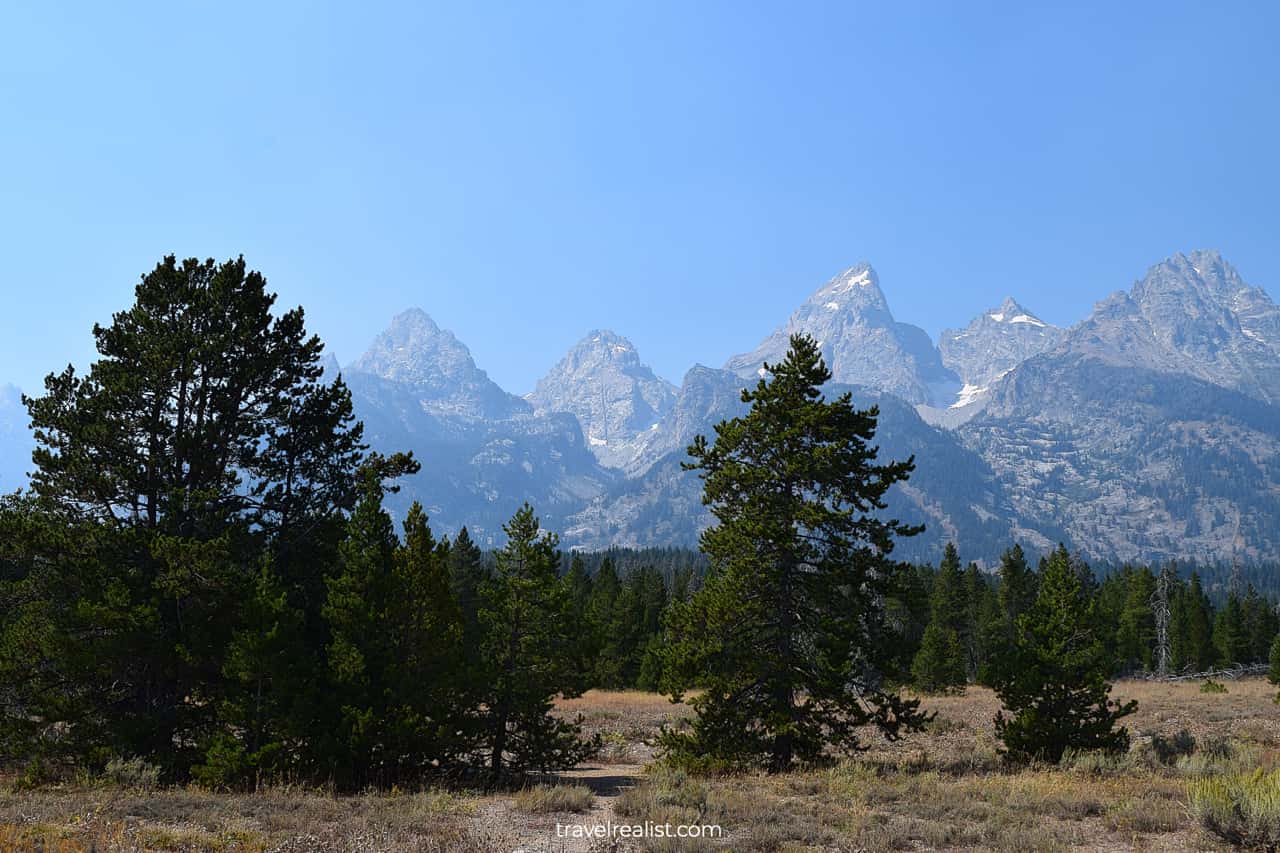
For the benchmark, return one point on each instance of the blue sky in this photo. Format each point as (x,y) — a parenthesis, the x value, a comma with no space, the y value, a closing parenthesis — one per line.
(683,173)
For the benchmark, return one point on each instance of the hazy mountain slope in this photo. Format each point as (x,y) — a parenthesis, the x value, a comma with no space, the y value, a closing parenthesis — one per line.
(1134,463)
(617,399)
(483,451)
(415,352)
(953,492)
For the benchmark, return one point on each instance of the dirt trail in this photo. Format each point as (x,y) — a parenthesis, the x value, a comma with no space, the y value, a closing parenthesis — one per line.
(537,834)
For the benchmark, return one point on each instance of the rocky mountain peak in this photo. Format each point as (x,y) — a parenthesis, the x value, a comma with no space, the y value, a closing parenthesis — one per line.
(415,352)
(1013,314)
(850,319)
(604,345)
(615,397)
(1191,314)
(993,343)
(855,289)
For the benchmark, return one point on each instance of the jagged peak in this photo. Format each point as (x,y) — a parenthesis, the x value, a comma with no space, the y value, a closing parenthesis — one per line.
(414,348)
(412,318)
(414,325)
(605,340)
(1206,265)
(859,277)
(1013,314)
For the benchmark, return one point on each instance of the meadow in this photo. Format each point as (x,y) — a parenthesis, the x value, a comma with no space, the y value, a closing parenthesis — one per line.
(942,789)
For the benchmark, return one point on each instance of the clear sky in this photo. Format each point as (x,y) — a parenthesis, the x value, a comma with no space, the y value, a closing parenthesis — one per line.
(684,173)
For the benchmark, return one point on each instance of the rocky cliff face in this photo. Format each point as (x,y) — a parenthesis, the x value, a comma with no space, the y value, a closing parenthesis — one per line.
(1133,463)
(995,342)
(483,451)
(1150,429)
(617,399)
(1193,315)
(415,352)
(861,341)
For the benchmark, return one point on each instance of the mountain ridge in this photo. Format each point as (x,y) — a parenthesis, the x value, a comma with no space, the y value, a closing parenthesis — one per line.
(1148,430)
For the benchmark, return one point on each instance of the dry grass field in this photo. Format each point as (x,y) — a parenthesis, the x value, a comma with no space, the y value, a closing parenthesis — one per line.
(943,789)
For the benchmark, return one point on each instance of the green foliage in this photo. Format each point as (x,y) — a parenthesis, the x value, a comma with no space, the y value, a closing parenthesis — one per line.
(200,440)
(941,665)
(1273,658)
(1230,634)
(1211,686)
(467,574)
(1261,625)
(788,633)
(1014,595)
(1053,683)
(1136,628)
(1191,634)
(1242,809)
(527,656)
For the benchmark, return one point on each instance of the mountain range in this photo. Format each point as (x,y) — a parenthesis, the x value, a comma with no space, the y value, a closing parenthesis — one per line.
(1150,430)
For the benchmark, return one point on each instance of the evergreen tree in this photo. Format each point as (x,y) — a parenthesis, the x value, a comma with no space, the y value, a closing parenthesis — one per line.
(1200,651)
(1015,593)
(1017,584)
(1230,637)
(428,721)
(1260,625)
(528,631)
(606,670)
(269,700)
(578,586)
(1053,685)
(786,636)
(364,646)
(467,574)
(200,439)
(1273,671)
(907,608)
(942,663)
(982,613)
(1136,629)
(939,665)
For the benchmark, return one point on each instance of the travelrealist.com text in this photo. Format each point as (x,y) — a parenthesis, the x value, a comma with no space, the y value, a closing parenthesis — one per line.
(647,829)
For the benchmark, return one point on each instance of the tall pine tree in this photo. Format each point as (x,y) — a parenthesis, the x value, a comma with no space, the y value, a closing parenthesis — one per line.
(942,663)
(1053,684)
(527,656)
(787,636)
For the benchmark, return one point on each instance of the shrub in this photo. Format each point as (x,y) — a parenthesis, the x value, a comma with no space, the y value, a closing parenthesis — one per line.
(131,773)
(1096,762)
(1211,686)
(547,799)
(1167,750)
(1242,809)
(666,790)
(1219,748)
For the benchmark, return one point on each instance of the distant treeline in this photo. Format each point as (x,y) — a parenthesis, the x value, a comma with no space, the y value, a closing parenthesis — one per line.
(955,621)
